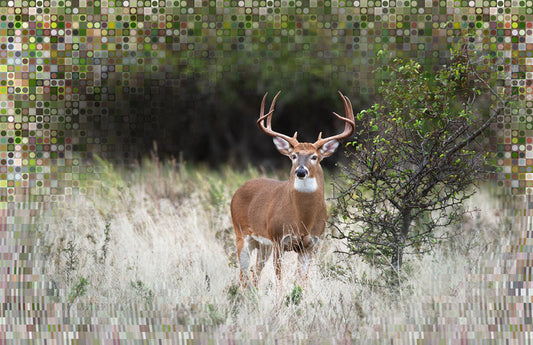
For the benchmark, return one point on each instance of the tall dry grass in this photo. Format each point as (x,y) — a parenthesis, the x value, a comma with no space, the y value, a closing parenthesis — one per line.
(159,237)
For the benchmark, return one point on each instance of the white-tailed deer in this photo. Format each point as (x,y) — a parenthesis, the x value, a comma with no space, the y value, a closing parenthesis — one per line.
(277,216)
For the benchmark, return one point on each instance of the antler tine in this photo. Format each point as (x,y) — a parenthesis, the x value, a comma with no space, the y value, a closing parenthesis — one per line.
(271,111)
(349,126)
(268,116)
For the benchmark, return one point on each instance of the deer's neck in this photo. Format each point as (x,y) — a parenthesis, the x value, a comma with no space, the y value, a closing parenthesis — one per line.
(307,197)
(306,186)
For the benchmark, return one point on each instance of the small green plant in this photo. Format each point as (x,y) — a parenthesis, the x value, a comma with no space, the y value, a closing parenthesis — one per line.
(235,298)
(72,259)
(107,239)
(234,294)
(78,290)
(146,294)
(216,316)
(295,297)
(334,270)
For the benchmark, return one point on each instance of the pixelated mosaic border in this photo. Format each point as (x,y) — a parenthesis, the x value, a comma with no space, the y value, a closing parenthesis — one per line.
(60,58)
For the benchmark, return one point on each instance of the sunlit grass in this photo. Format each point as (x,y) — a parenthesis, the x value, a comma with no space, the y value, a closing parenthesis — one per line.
(159,237)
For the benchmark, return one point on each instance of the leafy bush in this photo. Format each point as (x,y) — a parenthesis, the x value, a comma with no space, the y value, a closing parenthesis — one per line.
(413,162)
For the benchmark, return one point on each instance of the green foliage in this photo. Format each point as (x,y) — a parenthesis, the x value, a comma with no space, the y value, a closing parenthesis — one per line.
(416,155)
(78,290)
(217,192)
(295,297)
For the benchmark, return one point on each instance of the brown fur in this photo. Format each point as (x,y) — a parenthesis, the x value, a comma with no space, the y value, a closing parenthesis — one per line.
(278,216)
(272,209)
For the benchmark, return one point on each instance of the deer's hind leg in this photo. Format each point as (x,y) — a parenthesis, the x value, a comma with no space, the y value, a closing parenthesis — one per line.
(242,234)
(245,247)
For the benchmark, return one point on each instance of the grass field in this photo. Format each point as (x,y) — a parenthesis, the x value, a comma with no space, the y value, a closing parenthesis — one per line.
(159,237)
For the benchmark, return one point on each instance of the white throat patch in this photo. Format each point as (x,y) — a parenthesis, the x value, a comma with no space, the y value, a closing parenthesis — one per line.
(306,185)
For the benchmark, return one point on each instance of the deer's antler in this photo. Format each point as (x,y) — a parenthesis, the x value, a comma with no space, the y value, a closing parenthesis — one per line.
(268,128)
(349,126)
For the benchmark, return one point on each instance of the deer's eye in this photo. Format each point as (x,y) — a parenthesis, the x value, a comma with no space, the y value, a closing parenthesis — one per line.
(314,157)
(294,156)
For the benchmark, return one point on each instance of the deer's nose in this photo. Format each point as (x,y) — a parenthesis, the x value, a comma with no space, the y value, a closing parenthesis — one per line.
(301,172)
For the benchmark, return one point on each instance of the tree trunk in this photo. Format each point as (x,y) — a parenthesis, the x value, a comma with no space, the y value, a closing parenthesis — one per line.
(397,258)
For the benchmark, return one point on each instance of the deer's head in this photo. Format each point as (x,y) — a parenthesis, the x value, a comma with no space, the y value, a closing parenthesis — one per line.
(306,171)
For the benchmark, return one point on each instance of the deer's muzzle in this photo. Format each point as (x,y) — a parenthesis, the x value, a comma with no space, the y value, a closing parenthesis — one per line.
(301,172)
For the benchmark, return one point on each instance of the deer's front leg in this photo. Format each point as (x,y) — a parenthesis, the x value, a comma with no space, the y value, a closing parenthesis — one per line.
(278,254)
(304,257)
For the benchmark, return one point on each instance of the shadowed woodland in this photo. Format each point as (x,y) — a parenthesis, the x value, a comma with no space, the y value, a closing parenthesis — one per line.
(218,125)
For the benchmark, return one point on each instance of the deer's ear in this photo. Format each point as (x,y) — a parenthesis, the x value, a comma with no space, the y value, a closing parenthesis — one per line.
(328,148)
(283,146)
